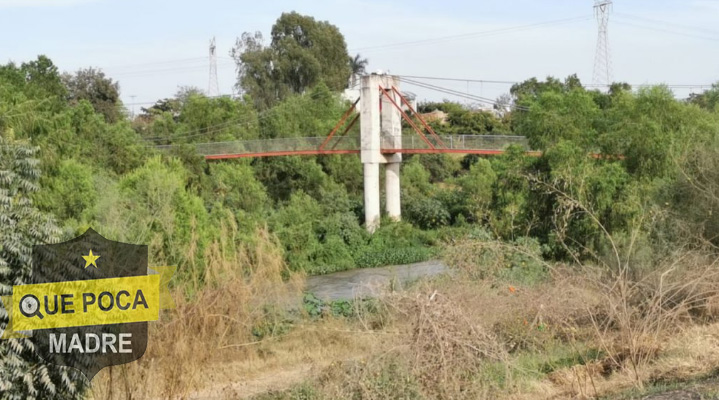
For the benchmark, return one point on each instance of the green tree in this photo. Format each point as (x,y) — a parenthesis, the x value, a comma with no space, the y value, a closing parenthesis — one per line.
(358,64)
(477,188)
(557,111)
(302,53)
(203,119)
(69,193)
(23,374)
(358,67)
(92,85)
(708,99)
(311,114)
(43,80)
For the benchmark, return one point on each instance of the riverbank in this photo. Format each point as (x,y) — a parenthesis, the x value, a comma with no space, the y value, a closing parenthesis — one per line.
(480,332)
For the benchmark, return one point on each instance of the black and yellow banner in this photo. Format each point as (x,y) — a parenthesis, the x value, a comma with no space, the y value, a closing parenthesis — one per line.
(89,302)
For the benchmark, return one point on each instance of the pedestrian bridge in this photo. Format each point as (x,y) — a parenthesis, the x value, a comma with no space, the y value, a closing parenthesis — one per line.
(411,144)
(381,111)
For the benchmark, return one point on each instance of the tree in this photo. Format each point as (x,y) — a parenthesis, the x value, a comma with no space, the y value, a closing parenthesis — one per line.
(91,84)
(708,99)
(302,53)
(503,104)
(23,374)
(477,189)
(43,79)
(555,110)
(358,67)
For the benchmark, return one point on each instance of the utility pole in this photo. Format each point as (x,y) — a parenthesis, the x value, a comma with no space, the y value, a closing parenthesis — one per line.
(132,96)
(213,88)
(602,58)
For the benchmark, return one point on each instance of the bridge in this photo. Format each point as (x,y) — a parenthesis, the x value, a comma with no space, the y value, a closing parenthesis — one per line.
(381,110)
(411,144)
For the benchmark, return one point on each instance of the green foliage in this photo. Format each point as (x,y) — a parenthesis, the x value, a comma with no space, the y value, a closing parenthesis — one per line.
(302,53)
(234,185)
(315,241)
(92,85)
(462,120)
(482,257)
(441,167)
(315,307)
(70,193)
(203,119)
(394,244)
(371,258)
(23,374)
(708,99)
(477,189)
(649,127)
(653,188)
(415,179)
(426,212)
(555,116)
(312,114)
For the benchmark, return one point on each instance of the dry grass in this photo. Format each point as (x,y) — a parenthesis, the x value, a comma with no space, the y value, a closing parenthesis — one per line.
(245,292)
(580,333)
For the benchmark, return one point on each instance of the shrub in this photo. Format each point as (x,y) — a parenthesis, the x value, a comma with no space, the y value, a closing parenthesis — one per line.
(426,212)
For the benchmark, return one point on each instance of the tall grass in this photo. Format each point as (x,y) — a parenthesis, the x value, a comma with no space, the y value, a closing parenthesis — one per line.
(243,288)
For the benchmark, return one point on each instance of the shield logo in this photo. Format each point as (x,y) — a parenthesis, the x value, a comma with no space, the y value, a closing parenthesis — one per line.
(89,347)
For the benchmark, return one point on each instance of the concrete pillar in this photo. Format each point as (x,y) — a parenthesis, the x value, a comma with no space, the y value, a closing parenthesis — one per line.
(371,196)
(370,154)
(391,128)
(392,191)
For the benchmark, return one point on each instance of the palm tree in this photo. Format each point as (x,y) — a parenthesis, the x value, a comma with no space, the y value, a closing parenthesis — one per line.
(358,66)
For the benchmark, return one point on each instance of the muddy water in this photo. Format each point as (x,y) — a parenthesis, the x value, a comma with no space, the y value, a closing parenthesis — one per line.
(369,282)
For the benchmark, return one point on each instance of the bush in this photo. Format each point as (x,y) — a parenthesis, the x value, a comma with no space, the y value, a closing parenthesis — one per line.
(376,258)
(426,212)
(482,257)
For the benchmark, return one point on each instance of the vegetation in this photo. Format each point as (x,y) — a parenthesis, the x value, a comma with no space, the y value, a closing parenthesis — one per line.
(618,217)
(302,53)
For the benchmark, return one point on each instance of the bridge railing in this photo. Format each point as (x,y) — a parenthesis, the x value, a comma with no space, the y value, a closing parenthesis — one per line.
(270,146)
(311,145)
(460,142)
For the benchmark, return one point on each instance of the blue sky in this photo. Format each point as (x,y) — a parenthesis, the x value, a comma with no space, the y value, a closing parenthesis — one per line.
(154,47)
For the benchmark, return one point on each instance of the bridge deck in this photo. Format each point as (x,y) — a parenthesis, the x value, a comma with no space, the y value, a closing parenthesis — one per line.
(411,144)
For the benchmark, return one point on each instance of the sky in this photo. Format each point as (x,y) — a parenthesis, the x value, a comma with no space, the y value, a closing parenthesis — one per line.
(155,47)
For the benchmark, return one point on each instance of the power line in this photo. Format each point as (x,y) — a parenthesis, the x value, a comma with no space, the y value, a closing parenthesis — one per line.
(459,79)
(663,30)
(176,61)
(665,23)
(474,34)
(201,131)
(457,93)
(164,70)
(508,82)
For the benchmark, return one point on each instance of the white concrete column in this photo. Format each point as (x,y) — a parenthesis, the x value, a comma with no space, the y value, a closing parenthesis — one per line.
(371,196)
(392,191)
(370,154)
(391,127)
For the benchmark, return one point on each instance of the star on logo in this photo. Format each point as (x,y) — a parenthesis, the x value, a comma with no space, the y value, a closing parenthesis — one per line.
(90,260)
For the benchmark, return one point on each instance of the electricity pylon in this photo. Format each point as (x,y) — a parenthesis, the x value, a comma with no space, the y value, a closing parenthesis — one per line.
(602,58)
(213,88)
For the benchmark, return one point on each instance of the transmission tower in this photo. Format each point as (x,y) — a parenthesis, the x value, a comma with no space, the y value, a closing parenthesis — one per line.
(602,58)
(213,88)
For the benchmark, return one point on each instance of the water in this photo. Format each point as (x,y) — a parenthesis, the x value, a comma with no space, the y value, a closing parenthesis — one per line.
(369,282)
